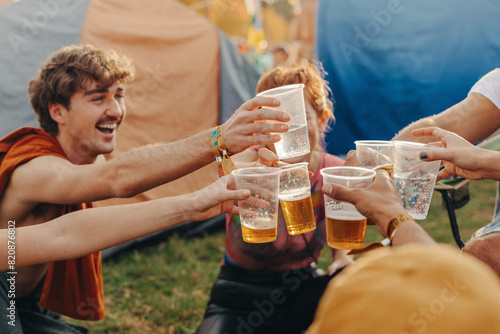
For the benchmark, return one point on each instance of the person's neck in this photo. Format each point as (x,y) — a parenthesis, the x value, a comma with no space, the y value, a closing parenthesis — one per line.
(72,152)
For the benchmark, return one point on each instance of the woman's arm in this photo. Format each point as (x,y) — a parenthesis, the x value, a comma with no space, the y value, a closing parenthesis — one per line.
(460,157)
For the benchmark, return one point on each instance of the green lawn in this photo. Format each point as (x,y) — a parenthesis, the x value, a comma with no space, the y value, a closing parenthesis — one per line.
(164,287)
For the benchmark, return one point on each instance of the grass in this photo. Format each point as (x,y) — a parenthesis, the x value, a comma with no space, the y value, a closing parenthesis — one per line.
(164,287)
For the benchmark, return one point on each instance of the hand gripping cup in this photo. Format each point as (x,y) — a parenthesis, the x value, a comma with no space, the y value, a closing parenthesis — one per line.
(295,142)
(345,226)
(295,198)
(259,213)
(375,154)
(414,178)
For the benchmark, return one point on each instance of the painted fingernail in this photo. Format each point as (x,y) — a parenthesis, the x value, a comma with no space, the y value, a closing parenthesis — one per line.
(423,155)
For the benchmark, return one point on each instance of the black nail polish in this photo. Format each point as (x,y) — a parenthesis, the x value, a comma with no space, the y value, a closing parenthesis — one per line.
(423,155)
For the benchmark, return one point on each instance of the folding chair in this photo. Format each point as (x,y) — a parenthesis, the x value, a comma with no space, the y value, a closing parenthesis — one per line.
(455,193)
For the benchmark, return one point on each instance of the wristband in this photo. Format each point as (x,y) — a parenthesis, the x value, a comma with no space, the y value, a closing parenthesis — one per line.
(394,223)
(218,145)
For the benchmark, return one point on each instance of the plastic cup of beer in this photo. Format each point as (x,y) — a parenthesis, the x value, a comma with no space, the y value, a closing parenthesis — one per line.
(295,142)
(375,154)
(414,178)
(259,213)
(345,226)
(295,198)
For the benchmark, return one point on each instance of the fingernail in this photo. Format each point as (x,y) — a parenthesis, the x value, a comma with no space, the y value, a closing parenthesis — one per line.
(284,127)
(276,102)
(423,155)
(286,117)
(327,188)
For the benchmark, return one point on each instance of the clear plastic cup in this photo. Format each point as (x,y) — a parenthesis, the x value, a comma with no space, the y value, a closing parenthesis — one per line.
(345,226)
(259,213)
(375,154)
(414,178)
(295,142)
(295,198)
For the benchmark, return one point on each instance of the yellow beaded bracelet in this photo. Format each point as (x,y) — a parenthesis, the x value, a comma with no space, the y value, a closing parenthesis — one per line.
(218,145)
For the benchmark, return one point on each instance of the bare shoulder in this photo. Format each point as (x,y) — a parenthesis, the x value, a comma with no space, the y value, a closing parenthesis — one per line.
(26,180)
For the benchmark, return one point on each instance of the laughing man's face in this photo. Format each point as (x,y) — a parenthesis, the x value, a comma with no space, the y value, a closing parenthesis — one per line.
(93,118)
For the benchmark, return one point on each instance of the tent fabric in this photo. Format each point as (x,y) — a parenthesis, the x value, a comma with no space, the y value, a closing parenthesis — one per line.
(4,3)
(391,62)
(238,78)
(30,31)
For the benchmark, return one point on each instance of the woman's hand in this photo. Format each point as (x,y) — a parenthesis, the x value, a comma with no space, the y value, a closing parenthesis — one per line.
(267,158)
(460,157)
(351,159)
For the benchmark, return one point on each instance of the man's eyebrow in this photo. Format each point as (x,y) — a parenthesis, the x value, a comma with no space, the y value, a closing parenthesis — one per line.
(95,91)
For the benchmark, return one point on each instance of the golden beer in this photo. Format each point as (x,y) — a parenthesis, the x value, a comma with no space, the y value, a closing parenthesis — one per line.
(299,215)
(264,232)
(345,234)
(388,168)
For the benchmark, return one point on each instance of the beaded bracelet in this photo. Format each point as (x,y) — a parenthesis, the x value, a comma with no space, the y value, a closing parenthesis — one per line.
(218,145)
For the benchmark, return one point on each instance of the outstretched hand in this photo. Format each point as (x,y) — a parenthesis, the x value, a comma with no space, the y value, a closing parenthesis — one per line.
(217,198)
(252,124)
(460,157)
(378,202)
(351,159)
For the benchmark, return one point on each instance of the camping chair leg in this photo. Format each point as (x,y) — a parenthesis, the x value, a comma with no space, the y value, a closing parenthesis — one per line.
(453,218)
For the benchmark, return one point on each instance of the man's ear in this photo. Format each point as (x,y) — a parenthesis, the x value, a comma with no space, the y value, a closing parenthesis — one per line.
(57,112)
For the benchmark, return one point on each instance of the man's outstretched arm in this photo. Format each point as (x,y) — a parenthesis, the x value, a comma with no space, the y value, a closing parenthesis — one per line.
(59,181)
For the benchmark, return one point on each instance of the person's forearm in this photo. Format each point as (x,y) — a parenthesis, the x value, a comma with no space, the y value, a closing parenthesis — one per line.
(87,231)
(411,232)
(489,163)
(474,118)
(339,254)
(150,166)
(405,133)
(408,232)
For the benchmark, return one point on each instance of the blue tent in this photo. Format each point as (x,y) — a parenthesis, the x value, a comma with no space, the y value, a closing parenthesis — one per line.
(391,62)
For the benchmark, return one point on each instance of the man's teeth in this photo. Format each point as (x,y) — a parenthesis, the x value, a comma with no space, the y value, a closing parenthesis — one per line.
(107,126)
